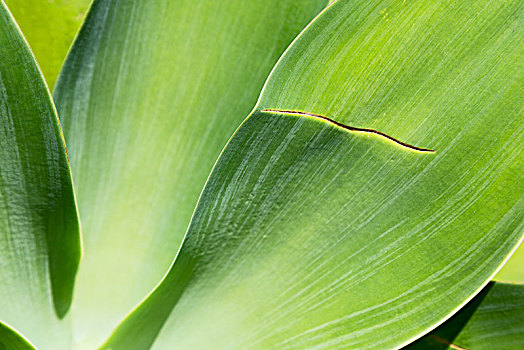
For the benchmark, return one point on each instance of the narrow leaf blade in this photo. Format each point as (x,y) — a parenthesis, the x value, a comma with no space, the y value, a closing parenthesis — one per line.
(39,230)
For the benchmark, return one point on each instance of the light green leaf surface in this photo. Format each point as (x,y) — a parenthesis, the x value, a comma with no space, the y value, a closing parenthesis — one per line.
(149,95)
(49,26)
(12,340)
(313,234)
(405,62)
(494,319)
(39,233)
(513,270)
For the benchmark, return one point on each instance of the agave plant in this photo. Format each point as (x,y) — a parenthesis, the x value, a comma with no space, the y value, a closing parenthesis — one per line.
(366,201)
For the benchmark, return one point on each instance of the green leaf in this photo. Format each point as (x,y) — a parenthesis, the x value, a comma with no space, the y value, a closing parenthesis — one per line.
(49,26)
(328,221)
(397,71)
(12,340)
(149,95)
(39,232)
(512,270)
(494,319)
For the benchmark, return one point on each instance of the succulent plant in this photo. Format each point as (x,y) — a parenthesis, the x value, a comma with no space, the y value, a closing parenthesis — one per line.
(262,175)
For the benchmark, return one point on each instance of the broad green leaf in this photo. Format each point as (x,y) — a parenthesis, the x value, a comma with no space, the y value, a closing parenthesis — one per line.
(39,233)
(49,26)
(313,233)
(494,319)
(401,69)
(12,340)
(149,95)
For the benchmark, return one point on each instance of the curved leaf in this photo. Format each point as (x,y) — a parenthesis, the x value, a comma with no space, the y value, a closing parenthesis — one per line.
(494,319)
(39,233)
(328,221)
(12,340)
(149,95)
(399,66)
(49,27)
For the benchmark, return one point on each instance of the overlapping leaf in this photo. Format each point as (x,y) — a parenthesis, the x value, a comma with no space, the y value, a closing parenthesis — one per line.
(148,97)
(327,222)
(494,319)
(39,233)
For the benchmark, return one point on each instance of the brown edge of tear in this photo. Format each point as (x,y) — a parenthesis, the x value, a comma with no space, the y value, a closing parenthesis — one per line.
(442,340)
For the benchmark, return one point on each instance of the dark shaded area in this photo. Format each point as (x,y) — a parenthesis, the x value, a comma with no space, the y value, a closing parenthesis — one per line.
(442,337)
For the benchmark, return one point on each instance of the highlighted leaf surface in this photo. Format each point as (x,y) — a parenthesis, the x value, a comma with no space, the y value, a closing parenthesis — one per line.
(314,234)
(39,232)
(149,95)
